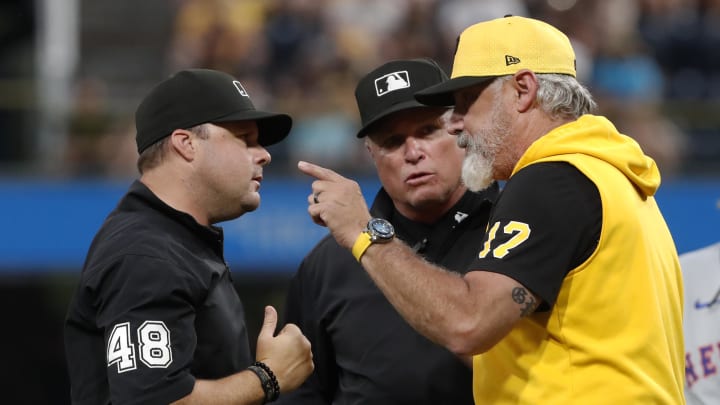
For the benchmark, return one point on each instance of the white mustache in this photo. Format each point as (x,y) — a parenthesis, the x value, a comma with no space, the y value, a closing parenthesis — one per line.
(463,140)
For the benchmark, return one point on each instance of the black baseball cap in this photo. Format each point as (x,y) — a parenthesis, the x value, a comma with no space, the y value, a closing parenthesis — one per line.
(196,96)
(391,87)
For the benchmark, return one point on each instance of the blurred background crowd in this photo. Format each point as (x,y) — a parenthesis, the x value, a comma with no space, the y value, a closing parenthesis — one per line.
(73,71)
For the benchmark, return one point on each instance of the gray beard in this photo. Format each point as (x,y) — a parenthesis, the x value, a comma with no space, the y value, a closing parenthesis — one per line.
(477,165)
(482,148)
(476,171)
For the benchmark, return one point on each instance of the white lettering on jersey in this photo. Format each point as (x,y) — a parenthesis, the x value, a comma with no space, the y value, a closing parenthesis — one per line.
(154,346)
(120,350)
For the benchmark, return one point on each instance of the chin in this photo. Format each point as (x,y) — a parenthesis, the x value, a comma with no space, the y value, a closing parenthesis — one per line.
(250,207)
(477,173)
(427,198)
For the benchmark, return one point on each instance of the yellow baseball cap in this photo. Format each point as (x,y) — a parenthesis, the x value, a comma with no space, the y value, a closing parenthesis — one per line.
(502,47)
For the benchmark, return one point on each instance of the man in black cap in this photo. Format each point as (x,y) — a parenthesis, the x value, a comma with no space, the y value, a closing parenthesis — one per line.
(364,352)
(575,295)
(155,318)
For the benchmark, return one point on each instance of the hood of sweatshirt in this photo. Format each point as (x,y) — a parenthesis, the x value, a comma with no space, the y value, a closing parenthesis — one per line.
(596,136)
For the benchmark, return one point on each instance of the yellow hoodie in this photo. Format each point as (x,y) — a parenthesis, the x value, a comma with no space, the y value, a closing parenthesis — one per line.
(614,335)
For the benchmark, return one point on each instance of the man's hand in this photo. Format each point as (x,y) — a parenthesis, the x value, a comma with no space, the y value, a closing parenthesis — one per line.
(288,354)
(337,203)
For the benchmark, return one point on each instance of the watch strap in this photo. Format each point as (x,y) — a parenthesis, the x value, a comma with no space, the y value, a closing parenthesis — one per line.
(361,244)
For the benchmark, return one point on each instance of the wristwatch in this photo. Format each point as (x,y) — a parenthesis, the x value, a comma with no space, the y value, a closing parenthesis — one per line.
(378,230)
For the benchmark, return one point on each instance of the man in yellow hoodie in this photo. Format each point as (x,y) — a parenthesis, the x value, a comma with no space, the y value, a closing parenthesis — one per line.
(576,294)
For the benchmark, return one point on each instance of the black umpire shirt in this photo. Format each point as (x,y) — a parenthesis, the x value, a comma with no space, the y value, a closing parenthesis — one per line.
(364,352)
(155,308)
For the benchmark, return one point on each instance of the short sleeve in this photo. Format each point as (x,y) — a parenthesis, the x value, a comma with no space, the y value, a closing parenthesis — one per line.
(146,309)
(546,222)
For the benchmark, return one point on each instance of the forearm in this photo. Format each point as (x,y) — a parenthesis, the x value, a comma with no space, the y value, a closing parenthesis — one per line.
(432,300)
(240,388)
(466,314)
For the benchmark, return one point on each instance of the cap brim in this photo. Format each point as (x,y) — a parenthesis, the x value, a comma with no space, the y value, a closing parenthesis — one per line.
(405,105)
(442,94)
(272,127)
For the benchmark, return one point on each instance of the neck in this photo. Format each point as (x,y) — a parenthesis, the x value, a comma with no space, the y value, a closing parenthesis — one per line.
(175,189)
(527,130)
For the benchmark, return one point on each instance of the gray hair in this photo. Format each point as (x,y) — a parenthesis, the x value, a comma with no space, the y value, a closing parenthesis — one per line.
(562,96)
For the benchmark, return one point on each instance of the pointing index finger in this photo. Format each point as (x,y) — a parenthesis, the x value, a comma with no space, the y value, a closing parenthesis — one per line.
(319,172)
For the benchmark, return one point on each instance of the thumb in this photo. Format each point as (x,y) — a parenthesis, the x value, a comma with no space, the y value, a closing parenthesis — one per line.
(269,323)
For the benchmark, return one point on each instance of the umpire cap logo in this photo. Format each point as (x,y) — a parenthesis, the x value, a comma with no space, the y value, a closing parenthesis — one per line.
(241,89)
(391,82)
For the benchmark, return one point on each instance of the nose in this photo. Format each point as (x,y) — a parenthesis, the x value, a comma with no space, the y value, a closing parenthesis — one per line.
(455,124)
(413,149)
(262,156)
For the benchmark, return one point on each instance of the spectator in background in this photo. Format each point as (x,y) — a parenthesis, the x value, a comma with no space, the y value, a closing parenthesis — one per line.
(576,293)
(701,274)
(364,352)
(684,39)
(454,15)
(628,83)
(155,318)
(90,123)
(272,44)
(220,34)
(98,144)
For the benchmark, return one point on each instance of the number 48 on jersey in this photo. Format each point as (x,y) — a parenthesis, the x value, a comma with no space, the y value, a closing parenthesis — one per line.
(153,340)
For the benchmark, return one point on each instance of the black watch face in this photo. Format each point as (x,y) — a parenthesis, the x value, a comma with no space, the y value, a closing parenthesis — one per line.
(381,228)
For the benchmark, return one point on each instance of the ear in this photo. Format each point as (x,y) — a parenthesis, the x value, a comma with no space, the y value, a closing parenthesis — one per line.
(182,142)
(367,145)
(370,149)
(525,84)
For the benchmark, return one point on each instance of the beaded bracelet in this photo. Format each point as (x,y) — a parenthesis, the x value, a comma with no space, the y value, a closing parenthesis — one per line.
(268,381)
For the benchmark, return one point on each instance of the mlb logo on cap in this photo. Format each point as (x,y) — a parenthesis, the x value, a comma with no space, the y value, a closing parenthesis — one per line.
(388,88)
(240,89)
(391,82)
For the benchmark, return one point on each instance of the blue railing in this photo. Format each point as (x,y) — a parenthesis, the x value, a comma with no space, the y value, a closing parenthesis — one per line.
(48,225)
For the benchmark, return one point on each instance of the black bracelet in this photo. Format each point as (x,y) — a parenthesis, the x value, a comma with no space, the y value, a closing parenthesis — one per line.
(268,381)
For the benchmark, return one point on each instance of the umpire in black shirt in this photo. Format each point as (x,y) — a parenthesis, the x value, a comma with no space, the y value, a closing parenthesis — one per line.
(155,318)
(364,352)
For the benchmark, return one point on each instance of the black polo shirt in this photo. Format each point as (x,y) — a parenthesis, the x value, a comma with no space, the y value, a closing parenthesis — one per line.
(154,309)
(364,352)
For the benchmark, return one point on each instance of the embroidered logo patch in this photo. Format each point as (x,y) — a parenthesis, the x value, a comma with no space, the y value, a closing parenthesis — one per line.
(240,89)
(511,60)
(391,82)
(460,216)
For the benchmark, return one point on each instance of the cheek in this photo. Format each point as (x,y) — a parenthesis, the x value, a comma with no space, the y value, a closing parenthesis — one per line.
(454,164)
(387,162)
(477,116)
(242,166)
(393,184)
(389,171)
(451,152)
